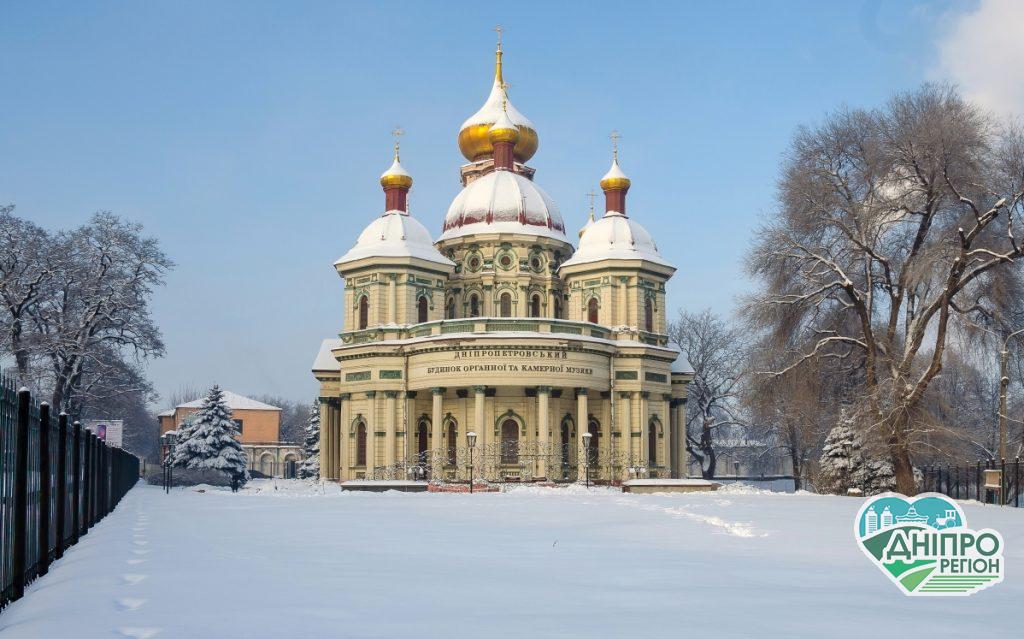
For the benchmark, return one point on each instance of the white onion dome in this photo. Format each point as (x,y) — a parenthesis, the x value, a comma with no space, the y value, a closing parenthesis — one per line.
(615,179)
(474,141)
(503,202)
(616,237)
(394,234)
(396,176)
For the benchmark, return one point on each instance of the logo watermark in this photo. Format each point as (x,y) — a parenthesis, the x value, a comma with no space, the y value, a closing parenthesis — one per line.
(924,546)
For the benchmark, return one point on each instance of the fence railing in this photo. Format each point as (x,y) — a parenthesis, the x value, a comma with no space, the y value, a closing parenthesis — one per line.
(57,480)
(971,481)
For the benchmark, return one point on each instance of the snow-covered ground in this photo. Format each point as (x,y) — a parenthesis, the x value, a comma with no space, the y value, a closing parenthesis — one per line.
(305,561)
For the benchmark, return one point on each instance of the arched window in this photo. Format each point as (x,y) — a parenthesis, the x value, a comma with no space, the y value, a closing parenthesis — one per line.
(421,310)
(421,439)
(453,442)
(649,315)
(594,428)
(506,305)
(592,310)
(474,305)
(535,305)
(449,308)
(361,443)
(556,311)
(652,443)
(510,441)
(364,312)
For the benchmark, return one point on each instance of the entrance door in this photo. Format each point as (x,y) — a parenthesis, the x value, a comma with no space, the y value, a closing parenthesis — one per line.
(510,442)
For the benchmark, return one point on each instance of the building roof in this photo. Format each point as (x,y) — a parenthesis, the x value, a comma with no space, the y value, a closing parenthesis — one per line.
(503,202)
(234,402)
(395,234)
(324,359)
(682,365)
(616,237)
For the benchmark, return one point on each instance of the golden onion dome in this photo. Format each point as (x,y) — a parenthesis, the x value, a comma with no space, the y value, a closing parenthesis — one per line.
(396,176)
(615,179)
(474,135)
(503,130)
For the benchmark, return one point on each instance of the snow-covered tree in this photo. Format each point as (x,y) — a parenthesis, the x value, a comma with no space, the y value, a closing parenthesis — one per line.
(310,466)
(210,440)
(841,465)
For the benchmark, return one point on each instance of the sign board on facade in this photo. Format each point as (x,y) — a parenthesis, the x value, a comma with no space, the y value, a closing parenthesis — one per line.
(109,430)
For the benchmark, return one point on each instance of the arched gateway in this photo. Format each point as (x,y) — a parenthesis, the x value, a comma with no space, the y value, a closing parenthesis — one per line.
(498,326)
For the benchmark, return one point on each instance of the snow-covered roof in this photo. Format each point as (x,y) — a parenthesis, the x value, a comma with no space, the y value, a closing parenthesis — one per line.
(616,237)
(681,365)
(496,104)
(395,234)
(167,413)
(234,402)
(503,122)
(324,360)
(503,202)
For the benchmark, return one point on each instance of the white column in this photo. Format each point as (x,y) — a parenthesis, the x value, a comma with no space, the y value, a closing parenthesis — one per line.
(582,419)
(371,434)
(340,451)
(409,428)
(393,290)
(626,429)
(681,454)
(390,419)
(325,438)
(543,427)
(666,424)
(645,431)
(437,442)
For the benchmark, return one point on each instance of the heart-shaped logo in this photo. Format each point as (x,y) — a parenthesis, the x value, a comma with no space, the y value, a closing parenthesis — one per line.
(923,545)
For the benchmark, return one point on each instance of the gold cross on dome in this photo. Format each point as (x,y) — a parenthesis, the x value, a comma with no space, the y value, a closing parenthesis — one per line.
(615,137)
(397,132)
(499,30)
(591,195)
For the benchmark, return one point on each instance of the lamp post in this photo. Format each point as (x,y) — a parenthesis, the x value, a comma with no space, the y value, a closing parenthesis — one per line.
(586,456)
(471,439)
(170,437)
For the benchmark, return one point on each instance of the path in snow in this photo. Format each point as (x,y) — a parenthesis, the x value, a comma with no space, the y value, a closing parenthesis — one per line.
(309,561)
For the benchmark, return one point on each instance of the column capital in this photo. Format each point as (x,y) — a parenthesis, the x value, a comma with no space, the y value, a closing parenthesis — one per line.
(437,390)
(391,394)
(645,394)
(666,397)
(345,396)
(371,394)
(479,389)
(410,394)
(581,392)
(546,390)
(625,394)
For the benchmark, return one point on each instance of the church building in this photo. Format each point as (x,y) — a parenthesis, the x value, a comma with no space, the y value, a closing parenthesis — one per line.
(499,348)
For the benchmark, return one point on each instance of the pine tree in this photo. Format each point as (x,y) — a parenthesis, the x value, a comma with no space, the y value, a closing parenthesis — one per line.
(841,464)
(184,431)
(211,441)
(310,466)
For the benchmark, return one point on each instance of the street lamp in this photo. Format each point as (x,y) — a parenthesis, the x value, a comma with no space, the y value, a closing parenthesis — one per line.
(471,439)
(170,437)
(586,455)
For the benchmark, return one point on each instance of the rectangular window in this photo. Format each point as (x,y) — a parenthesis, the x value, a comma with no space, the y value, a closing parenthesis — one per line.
(238,425)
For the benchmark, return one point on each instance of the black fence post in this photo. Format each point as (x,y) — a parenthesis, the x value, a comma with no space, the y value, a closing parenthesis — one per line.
(44,489)
(76,482)
(87,463)
(18,547)
(62,483)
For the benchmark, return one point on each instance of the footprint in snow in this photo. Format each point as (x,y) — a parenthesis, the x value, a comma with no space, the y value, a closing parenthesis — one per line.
(139,633)
(135,562)
(132,579)
(139,551)
(140,542)
(129,603)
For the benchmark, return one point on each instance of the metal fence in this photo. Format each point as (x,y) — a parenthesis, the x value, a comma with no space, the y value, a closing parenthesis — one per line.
(56,481)
(979,481)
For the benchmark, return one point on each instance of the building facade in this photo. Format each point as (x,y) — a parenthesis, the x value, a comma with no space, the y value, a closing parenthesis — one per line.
(499,349)
(259,425)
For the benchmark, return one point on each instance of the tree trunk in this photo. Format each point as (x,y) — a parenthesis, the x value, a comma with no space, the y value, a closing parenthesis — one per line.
(899,454)
(794,459)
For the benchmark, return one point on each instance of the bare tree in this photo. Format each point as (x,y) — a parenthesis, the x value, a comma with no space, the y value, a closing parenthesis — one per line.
(104,276)
(715,350)
(25,275)
(892,227)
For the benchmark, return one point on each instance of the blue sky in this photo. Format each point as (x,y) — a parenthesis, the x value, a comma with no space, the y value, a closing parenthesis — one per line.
(249,136)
